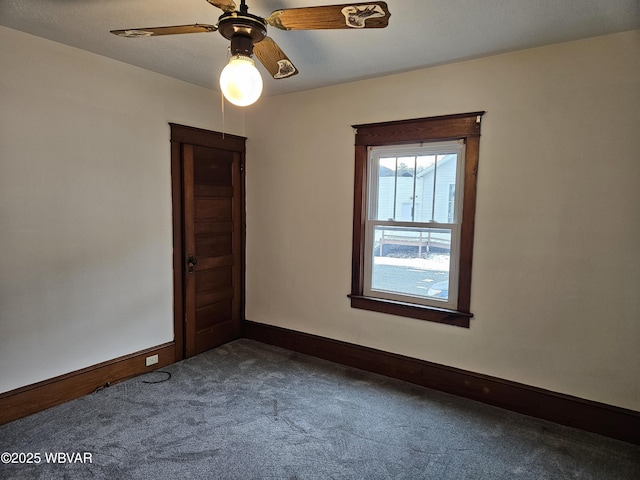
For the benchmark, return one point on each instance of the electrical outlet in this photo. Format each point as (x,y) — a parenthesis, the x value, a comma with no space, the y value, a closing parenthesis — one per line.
(152,360)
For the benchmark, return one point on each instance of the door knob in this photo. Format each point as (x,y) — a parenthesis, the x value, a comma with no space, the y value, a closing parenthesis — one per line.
(191,263)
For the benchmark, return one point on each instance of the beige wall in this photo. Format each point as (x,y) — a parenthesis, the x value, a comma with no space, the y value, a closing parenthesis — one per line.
(85,205)
(556,271)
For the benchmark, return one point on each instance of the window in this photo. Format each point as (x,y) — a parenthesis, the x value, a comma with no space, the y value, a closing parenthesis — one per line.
(412,231)
(414,208)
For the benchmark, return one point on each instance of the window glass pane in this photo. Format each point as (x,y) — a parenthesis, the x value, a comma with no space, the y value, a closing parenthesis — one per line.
(416,188)
(436,175)
(405,189)
(424,190)
(386,189)
(445,179)
(411,261)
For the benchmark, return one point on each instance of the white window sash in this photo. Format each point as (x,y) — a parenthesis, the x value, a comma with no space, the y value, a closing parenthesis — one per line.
(436,148)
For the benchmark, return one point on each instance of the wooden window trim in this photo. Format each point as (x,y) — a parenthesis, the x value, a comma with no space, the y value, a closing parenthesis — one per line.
(466,127)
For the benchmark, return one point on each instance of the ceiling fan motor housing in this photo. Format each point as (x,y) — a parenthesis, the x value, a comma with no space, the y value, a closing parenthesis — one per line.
(241,45)
(243,29)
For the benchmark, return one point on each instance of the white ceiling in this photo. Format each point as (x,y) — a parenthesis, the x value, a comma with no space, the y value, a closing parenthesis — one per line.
(421,33)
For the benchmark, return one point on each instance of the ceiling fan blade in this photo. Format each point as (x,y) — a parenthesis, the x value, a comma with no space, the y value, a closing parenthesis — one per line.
(274,59)
(348,15)
(155,31)
(224,5)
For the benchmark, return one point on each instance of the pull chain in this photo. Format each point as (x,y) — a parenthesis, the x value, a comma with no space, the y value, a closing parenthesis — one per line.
(222,106)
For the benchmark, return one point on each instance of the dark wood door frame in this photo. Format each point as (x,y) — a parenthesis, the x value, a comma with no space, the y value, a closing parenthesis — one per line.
(181,135)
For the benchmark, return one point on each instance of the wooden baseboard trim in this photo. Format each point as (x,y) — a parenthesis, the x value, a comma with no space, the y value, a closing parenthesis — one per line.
(39,396)
(588,415)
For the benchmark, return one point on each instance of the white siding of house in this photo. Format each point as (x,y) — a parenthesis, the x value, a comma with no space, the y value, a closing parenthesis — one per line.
(445,175)
(403,190)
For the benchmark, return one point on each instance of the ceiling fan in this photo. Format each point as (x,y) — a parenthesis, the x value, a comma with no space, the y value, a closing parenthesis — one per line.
(248,35)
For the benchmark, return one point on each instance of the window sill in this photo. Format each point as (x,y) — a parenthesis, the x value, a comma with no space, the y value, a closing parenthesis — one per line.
(412,310)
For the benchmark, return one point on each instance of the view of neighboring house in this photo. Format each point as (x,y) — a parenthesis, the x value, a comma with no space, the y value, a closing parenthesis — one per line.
(417,189)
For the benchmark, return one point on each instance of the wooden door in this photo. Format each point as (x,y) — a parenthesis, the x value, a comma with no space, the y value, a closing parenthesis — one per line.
(212,240)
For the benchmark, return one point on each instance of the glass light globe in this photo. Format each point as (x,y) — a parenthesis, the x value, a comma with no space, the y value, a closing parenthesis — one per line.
(240,81)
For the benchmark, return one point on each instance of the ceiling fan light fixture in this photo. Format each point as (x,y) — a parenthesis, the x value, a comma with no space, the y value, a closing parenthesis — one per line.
(240,81)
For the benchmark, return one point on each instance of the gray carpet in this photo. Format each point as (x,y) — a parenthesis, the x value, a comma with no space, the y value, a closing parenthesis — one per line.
(251,411)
